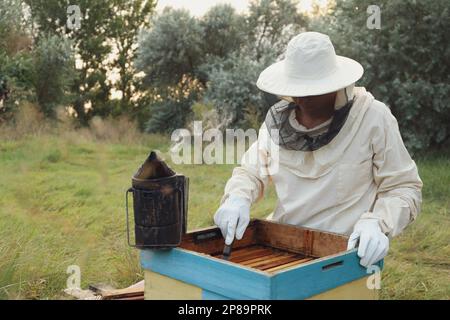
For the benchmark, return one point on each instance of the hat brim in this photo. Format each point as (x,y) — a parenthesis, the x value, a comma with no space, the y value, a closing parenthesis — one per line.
(274,80)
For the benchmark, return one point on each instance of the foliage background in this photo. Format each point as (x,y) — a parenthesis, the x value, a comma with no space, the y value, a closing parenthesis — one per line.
(406,62)
(153,68)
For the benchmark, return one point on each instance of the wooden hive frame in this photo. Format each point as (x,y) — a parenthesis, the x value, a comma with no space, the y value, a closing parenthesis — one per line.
(249,274)
(268,246)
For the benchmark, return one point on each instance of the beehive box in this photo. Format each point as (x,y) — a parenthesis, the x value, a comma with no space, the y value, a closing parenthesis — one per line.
(272,261)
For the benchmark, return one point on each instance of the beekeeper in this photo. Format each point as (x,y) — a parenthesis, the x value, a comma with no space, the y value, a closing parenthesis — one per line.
(333,152)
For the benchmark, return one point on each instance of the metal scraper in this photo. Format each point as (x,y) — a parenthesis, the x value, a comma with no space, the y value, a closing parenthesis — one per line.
(227,251)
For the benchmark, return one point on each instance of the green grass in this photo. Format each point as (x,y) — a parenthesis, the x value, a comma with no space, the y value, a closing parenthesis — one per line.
(418,264)
(62,203)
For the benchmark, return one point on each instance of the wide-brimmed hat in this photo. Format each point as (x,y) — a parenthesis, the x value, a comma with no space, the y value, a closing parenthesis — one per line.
(310,67)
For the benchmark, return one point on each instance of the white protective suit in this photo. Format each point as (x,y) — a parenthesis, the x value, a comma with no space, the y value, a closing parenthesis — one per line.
(365,172)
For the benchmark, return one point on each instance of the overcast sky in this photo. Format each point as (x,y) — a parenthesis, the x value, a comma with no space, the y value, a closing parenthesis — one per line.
(199,7)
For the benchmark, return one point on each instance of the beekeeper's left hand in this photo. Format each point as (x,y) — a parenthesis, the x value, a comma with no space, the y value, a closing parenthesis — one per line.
(373,243)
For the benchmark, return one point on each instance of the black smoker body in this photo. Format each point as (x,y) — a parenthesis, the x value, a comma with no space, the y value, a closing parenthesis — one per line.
(160,211)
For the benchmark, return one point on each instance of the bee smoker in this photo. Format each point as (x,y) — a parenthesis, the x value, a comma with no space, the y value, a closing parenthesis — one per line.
(159,205)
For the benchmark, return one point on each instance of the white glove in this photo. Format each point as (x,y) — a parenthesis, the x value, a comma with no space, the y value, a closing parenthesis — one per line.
(373,243)
(233,218)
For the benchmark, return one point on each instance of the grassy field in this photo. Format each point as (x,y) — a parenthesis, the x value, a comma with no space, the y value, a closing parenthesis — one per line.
(62,203)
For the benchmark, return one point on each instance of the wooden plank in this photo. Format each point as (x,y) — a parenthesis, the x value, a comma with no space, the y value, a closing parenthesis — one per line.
(263,258)
(240,252)
(215,244)
(266,233)
(208,295)
(101,288)
(257,264)
(140,297)
(300,240)
(316,276)
(167,288)
(243,250)
(160,287)
(287,265)
(280,236)
(138,284)
(132,291)
(251,255)
(326,244)
(355,290)
(203,271)
(271,264)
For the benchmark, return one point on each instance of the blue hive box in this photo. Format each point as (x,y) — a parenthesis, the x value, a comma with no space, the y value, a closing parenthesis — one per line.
(272,261)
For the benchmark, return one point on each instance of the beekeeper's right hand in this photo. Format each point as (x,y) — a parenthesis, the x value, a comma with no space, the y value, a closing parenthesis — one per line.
(233,218)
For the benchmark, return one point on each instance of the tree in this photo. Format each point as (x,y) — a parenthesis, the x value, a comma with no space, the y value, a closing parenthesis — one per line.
(54,67)
(271,24)
(130,18)
(16,80)
(223,51)
(232,90)
(223,34)
(11,26)
(171,49)
(91,44)
(169,55)
(405,61)
(15,60)
(105,25)
(170,113)
(223,31)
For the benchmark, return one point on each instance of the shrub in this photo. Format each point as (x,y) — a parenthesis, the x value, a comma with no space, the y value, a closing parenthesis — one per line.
(16,78)
(54,68)
(169,114)
(171,49)
(232,90)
